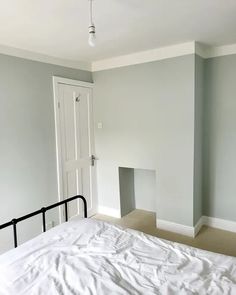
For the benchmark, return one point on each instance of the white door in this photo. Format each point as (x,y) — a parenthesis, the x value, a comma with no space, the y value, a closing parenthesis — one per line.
(75,144)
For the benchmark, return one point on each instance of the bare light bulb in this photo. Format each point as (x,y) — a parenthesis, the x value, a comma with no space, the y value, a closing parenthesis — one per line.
(92,36)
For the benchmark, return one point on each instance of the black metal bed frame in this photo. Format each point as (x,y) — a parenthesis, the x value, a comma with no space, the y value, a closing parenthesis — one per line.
(42,211)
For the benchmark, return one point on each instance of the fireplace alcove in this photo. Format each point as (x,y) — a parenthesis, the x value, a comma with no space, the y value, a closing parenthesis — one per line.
(137,189)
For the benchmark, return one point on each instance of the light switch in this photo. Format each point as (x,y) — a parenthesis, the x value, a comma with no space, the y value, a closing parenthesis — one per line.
(100,125)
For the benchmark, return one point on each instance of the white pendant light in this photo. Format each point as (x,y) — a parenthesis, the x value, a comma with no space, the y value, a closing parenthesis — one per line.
(92,33)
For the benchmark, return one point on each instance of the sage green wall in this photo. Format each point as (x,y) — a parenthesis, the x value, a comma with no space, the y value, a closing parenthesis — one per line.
(198,136)
(145,189)
(147,111)
(127,194)
(220,138)
(27,139)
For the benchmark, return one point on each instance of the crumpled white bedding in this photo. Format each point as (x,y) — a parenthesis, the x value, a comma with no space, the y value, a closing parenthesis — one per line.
(93,257)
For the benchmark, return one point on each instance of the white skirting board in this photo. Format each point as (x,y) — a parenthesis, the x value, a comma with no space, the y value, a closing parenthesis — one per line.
(175,227)
(198,226)
(109,211)
(192,231)
(219,223)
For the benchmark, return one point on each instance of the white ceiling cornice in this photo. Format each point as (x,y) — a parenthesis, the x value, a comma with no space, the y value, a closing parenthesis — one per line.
(214,51)
(192,47)
(126,60)
(221,50)
(145,56)
(81,65)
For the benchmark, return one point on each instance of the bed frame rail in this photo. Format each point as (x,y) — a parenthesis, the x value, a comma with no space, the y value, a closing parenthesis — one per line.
(43,211)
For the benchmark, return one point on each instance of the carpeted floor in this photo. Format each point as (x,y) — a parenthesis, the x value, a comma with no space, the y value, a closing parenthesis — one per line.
(208,238)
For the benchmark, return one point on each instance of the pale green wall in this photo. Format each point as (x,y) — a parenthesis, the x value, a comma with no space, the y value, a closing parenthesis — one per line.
(141,107)
(147,111)
(198,136)
(220,138)
(127,194)
(27,138)
(145,189)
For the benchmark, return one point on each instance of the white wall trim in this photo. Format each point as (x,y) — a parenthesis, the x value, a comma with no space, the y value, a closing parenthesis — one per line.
(202,50)
(109,211)
(198,226)
(192,47)
(125,60)
(145,56)
(67,81)
(193,231)
(175,227)
(55,81)
(211,51)
(221,50)
(220,223)
(75,64)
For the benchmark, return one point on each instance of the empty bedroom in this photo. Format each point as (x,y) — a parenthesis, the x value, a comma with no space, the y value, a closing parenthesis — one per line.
(117,147)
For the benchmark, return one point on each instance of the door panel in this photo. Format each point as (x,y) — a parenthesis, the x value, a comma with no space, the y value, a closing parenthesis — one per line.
(71,184)
(82,125)
(76,141)
(85,176)
(67,112)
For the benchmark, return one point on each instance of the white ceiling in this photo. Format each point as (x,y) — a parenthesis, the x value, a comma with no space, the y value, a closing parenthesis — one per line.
(58,28)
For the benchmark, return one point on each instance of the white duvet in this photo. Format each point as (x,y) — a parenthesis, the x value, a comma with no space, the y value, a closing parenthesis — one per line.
(93,257)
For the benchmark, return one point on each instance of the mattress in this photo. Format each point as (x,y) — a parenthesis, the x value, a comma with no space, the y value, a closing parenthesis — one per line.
(86,256)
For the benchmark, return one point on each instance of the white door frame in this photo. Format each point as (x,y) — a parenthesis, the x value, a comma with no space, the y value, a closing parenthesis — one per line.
(56,81)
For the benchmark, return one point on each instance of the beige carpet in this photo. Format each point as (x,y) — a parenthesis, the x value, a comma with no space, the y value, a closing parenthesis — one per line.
(210,239)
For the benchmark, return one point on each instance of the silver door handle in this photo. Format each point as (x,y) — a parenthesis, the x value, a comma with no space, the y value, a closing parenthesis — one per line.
(93,158)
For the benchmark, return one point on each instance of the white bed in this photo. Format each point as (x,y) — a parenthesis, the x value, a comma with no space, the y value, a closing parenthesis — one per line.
(86,256)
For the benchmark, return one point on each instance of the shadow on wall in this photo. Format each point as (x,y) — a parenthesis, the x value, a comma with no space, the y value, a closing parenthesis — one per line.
(137,189)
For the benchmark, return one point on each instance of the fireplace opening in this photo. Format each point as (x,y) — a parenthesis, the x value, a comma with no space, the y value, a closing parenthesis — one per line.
(137,189)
